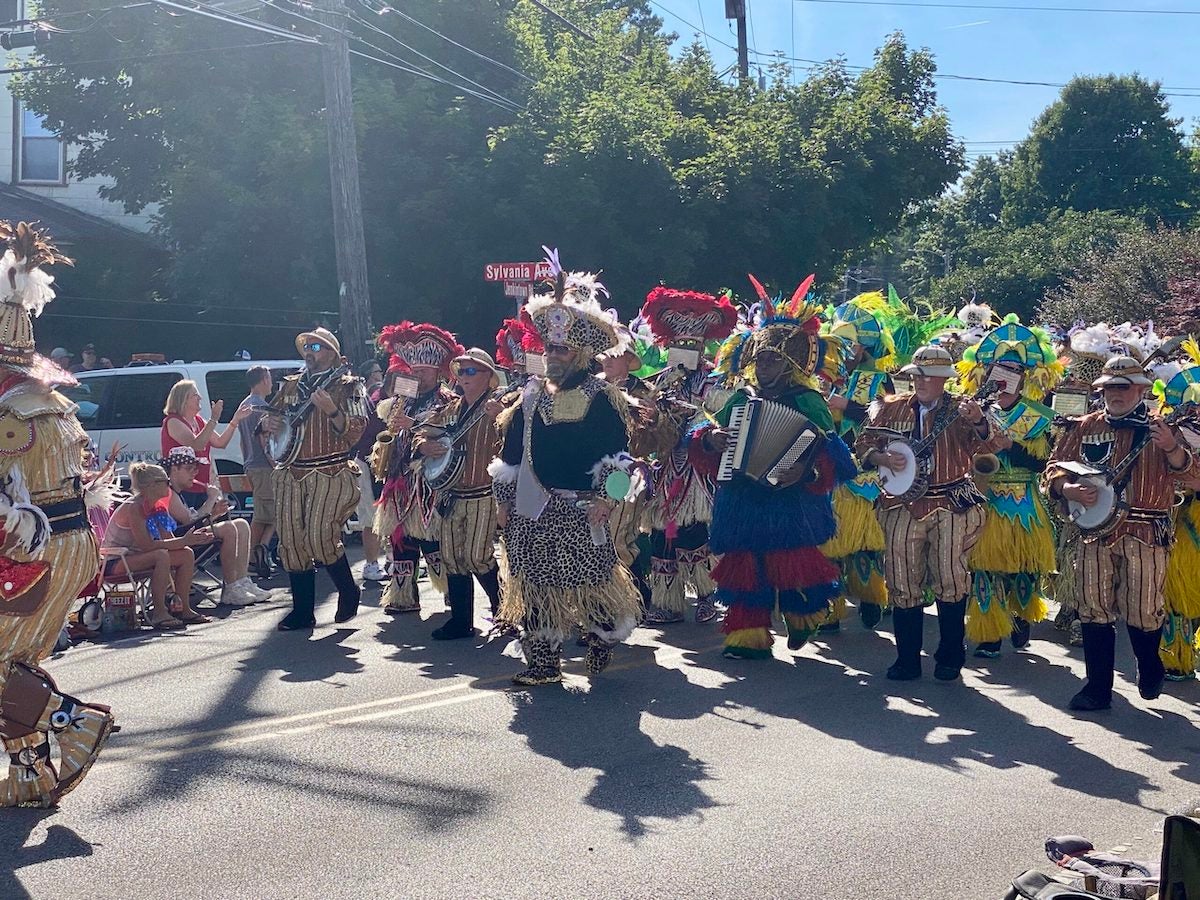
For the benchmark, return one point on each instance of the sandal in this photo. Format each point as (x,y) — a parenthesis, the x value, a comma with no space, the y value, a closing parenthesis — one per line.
(168,623)
(194,619)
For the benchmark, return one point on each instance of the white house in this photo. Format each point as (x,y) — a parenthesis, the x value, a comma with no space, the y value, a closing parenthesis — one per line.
(33,162)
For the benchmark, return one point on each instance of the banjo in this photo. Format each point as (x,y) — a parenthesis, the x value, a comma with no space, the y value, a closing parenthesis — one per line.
(912,482)
(283,444)
(442,472)
(1111,508)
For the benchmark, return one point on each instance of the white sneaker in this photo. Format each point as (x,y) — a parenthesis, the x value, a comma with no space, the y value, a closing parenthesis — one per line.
(373,571)
(233,595)
(253,590)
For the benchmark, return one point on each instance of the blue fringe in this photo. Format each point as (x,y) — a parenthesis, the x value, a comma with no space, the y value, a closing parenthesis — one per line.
(807,602)
(751,516)
(844,467)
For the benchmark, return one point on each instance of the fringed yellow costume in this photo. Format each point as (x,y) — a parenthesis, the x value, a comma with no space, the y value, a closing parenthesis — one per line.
(1016,551)
(1181,591)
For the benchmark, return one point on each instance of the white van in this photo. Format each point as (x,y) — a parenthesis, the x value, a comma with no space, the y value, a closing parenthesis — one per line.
(126,406)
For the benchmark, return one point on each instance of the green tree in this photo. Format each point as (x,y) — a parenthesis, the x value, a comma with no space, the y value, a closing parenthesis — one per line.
(1108,143)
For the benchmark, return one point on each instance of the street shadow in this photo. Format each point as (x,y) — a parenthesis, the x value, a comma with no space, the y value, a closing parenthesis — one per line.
(16,827)
(639,780)
(321,659)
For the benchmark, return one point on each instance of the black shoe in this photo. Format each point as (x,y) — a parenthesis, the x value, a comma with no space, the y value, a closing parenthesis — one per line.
(349,593)
(452,631)
(990,650)
(1099,652)
(1085,702)
(870,613)
(946,673)
(1150,669)
(295,621)
(830,628)
(1020,635)
(899,671)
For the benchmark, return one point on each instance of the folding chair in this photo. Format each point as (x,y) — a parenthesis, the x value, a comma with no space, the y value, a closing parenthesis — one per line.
(1179,875)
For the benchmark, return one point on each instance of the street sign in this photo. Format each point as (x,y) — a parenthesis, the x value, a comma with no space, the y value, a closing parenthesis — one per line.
(516,271)
(518,290)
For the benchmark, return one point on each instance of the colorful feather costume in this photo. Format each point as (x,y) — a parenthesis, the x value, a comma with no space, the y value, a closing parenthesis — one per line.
(771,538)
(1016,551)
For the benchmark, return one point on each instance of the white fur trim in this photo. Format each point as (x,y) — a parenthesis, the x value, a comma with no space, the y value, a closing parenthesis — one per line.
(502,472)
(621,461)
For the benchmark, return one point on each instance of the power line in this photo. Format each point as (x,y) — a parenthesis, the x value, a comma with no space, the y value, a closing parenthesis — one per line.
(573,27)
(233,19)
(1008,8)
(420,73)
(124,59)
(700,9)
(406,17)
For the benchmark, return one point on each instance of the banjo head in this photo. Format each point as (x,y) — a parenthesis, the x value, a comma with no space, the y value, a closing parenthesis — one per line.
(896,484)
(439,472)
(1089,518)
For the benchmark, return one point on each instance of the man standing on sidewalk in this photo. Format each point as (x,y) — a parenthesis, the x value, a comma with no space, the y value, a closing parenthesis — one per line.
(257,466)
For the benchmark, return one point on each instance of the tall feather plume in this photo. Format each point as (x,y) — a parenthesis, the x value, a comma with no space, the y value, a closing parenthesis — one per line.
(795,305)
(768,306)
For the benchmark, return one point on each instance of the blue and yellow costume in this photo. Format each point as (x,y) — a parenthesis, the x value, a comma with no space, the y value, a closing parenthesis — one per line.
(1016,551)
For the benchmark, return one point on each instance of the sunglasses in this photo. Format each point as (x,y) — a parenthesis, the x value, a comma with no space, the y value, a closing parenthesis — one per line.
(314,347)
(469,370)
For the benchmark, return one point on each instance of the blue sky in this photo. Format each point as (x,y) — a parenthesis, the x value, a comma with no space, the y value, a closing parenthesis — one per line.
(1023,45)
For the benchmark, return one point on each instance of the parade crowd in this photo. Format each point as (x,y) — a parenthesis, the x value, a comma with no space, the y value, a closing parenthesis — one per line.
(764,465)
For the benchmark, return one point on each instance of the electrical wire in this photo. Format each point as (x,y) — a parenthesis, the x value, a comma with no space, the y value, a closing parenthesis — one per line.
(385,9)
(124,59)
(423,74)
(700,9)
(201,9)
(1009,7)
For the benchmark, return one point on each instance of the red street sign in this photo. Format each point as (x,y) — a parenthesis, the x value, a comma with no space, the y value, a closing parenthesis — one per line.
(518,271)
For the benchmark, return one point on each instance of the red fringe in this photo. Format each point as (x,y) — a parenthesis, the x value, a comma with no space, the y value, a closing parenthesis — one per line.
(800,568)
(740,616)
(702,459)
(826,475)
(737,571)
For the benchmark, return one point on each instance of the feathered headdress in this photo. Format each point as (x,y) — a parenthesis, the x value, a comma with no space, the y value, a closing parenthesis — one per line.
(571,314)
(515,339)
(25,289)
(910,326)
(791,329)
(859,321)
(688,318)
(1012,342)
(421,345)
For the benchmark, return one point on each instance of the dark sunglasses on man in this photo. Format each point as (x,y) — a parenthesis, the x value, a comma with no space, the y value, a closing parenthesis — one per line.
(469,370)
(314,347)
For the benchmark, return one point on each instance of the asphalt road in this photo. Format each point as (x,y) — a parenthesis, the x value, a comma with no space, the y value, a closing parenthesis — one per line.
(369,761)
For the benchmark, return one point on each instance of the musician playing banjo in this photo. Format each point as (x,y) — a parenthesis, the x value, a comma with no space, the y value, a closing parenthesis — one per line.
(1121,569)
(930,533)
(316,485)
(465,525)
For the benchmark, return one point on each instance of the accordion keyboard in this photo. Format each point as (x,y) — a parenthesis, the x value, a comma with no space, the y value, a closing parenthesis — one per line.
(737,421)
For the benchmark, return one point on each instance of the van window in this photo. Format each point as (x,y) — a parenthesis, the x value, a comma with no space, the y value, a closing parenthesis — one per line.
(137,402)
(228,385)
(90,394)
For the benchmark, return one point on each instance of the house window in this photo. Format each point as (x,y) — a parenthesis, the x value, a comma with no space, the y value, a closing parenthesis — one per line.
(10,10)
(40,154)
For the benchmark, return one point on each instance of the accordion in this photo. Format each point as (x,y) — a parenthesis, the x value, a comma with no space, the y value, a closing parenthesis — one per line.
(766,440)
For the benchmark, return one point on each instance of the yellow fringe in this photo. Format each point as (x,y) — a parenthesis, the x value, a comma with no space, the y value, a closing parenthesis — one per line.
(873,590)
(808,622)
(1037,610)
(838,611)
(1179,656)
(994,625)
(1181,591)
(750,638)
(1005,546)
(857,526)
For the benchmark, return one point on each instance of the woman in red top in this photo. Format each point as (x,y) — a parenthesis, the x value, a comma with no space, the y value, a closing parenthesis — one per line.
(183,426)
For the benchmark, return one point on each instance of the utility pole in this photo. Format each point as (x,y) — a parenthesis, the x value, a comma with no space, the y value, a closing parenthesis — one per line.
(354,298)
(736,9)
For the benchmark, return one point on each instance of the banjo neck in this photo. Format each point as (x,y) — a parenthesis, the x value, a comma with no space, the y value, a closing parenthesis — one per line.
(925,445)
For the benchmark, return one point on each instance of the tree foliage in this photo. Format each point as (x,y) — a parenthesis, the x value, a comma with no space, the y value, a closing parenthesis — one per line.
(646,165)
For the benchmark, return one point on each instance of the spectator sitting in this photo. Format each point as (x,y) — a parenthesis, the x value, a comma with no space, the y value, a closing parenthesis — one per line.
(89,362)
(171,558)
(184,427)
(258,468)
(181,466)
(62,357)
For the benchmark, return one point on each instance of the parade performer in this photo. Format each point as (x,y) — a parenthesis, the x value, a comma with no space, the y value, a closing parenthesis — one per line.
(770,537)
(564,449)
(1181,589)
(680,509)
(1121,569)
(1015,552)
(49,552)
(516,341)
(317,483)
(465,521)
(929,536)
(406,506)
(862,326)
(618,364)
